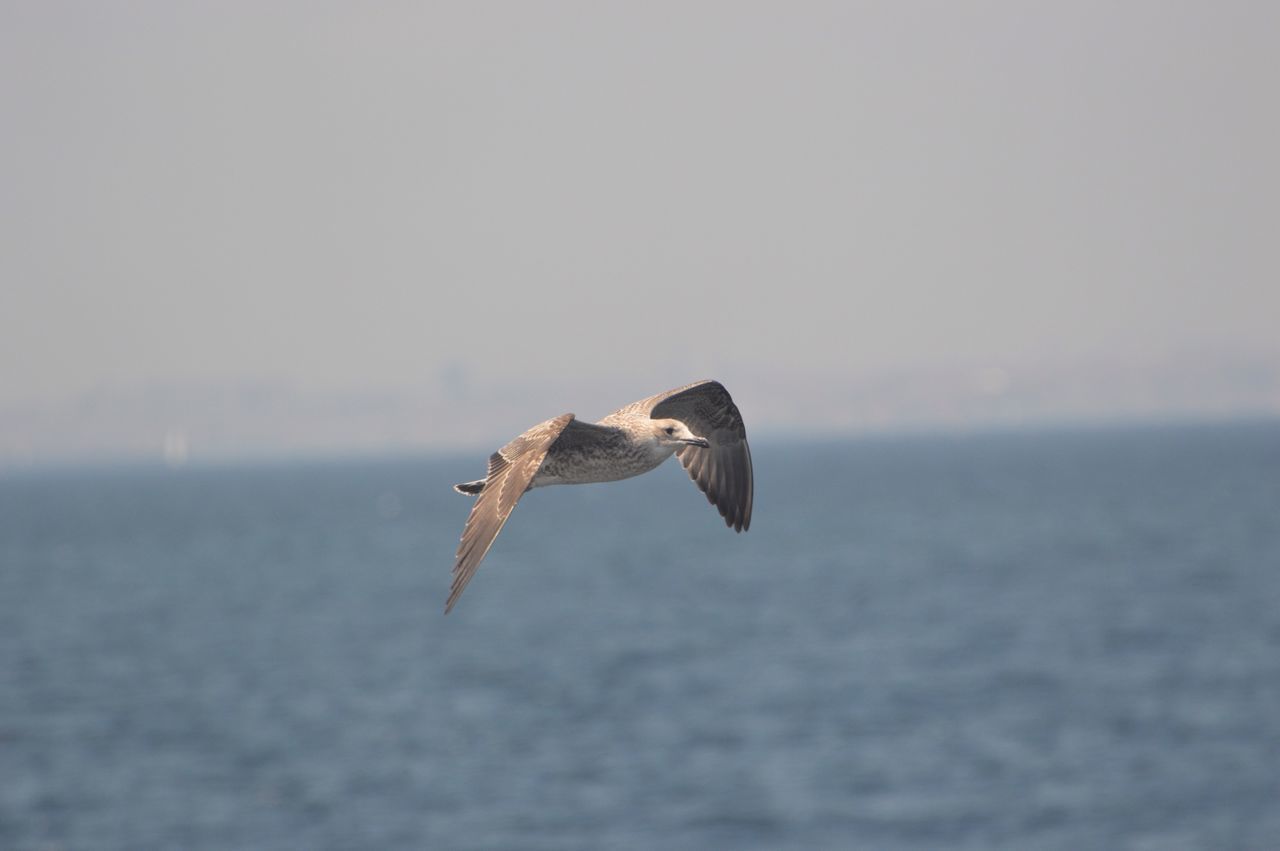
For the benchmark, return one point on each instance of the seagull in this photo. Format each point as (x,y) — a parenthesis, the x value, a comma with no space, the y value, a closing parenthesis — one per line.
(697,422)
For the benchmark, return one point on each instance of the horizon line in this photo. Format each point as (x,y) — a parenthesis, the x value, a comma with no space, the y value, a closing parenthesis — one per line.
(337,454)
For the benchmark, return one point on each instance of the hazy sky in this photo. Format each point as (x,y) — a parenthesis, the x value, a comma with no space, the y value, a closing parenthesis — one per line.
(419,201)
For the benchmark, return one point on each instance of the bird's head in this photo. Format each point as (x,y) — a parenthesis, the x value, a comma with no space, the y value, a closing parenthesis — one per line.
(676,433)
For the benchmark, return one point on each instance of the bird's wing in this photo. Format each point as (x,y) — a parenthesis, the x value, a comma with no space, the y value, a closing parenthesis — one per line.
(511,469)
(723,470)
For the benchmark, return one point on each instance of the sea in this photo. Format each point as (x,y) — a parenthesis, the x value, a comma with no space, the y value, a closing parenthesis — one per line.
(1055,639)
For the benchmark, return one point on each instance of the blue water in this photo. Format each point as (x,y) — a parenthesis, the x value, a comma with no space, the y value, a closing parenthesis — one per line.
(1059,640)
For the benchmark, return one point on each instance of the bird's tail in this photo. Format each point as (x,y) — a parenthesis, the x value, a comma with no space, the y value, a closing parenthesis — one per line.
(470,488)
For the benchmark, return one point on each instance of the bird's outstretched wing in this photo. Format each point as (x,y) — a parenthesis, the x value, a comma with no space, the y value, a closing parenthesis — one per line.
(511,469)
(722,471)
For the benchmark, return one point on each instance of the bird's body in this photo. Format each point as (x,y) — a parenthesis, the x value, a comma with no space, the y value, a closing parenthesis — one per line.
(698,422)
(594,452)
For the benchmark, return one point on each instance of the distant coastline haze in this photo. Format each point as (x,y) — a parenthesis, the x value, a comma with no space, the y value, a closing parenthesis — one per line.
(234,230)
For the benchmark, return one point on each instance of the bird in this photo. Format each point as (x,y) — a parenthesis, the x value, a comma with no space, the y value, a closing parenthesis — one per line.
(698,423)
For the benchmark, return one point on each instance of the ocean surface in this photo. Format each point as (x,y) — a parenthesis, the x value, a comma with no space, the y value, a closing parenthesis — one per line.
(1057,640)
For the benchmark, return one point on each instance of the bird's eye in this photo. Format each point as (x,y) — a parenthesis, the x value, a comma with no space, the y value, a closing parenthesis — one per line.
(670,430)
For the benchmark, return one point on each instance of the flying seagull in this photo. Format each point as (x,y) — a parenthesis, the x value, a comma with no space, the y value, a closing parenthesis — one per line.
(697,422)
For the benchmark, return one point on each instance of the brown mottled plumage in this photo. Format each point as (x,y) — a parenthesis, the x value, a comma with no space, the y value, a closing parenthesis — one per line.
(698,422)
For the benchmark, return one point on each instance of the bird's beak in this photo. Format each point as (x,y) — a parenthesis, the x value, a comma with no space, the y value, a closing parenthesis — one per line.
(697,441)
